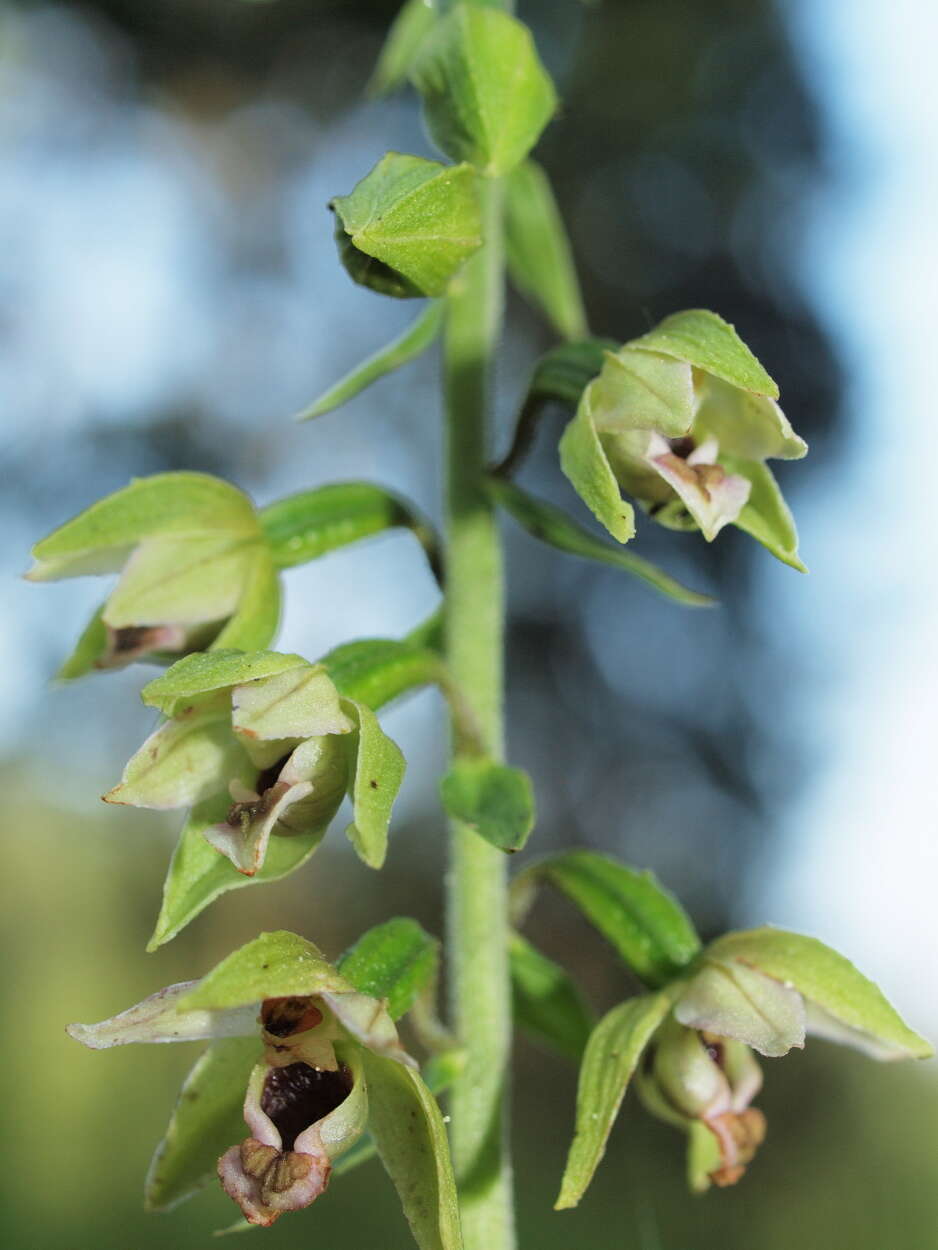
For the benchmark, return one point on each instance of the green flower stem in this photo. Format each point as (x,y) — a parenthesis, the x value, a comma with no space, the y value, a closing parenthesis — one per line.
(477,884)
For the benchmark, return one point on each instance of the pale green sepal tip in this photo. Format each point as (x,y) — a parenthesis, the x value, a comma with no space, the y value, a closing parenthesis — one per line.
(612,1054)
(709,343)
(378,771)
(766,517)
(400,351)
(828,981)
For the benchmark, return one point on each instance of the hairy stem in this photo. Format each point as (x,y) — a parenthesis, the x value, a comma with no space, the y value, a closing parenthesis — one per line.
(476,900)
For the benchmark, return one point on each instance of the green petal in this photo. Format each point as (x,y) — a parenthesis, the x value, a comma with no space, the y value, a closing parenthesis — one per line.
(181,581)
(643,391)
(542,520)
(585,464)
(546,1002)
(540,260)
(208,1118)
(400,351)
(377,773)
(709,343)
(410,1135)
(612,1055)
(831,984)
(419,218)
(496,801)
(205,672)
(99,539)
(395,961)
(486,95)
(731,1000)
(645,924)
(167,1017)
(300,703)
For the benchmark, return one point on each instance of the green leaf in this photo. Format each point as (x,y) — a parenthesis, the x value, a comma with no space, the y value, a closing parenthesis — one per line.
(176,505)
(493,799)
(198,874)
(400,351)
(182,762)
(847,1007)
(395,961)
(644,922)
(378,670)
(612,1055)
(413,23)
(585,464)
(564,372)
(273,965)
(766,516)
(208,1118)
(486,95)
(546,1001)
(206,671)
(709,343)
(418,218)
(551,525)
(410,1135)
(377,773)
(305,526)
(90,647)
(538,251)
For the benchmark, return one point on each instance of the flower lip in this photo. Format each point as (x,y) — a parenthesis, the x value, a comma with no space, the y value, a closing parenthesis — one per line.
(297,1096)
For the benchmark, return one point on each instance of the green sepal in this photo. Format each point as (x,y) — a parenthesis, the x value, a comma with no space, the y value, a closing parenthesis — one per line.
(377,770)
(413,23)
(253,626)
(486,95)
(552,526)
(378,670)
(183,762)
(494,800)
(410,1137)
(90,647)
(546,1002)
(274,965)
(611,1057)
(198,874)
(395,961)
(417,219)
(400,351)
(843,1004)
(310,524)
(207,1119)
(766,516)
(205,672)
(644,922)
(711,344)
(175,505)
(538,252)
(585,464)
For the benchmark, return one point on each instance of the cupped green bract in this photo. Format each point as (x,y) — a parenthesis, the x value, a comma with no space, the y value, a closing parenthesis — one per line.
(486,95)
(494,800)
(409,225)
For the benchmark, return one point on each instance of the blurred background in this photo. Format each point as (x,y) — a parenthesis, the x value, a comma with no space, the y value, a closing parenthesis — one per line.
(170,294)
